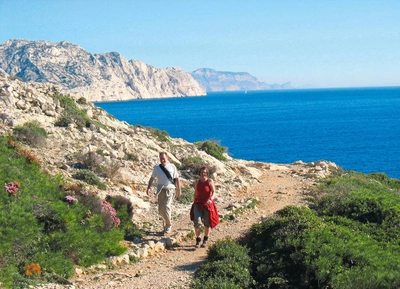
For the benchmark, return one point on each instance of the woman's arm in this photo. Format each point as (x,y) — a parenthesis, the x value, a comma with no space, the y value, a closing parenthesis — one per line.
(195,190)
(212,187)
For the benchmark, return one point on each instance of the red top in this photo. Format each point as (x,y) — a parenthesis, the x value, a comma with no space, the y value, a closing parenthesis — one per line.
(203,192)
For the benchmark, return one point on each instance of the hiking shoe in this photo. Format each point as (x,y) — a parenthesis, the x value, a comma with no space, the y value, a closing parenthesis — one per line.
(198,241)
(168,229)
(205,240)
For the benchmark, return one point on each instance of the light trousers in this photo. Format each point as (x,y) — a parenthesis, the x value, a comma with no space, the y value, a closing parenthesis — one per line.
(165,198)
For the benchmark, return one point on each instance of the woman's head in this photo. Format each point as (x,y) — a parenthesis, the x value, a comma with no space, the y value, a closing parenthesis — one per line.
(203,170)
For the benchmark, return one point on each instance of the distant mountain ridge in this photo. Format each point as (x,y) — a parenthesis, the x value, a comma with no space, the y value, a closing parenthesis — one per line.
(97,77)
(212,80)
(111,77)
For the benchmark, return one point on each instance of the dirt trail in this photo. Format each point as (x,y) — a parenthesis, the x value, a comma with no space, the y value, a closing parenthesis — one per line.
(175,267)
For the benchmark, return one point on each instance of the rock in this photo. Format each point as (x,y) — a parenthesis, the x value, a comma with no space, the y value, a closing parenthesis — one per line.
(96,77)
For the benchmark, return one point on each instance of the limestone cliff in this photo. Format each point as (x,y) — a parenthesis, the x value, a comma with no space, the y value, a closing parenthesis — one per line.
(97,77)
(212,80)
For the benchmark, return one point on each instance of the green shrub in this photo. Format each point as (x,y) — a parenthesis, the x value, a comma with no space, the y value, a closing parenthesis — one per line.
(89,177)
(227,264)
(191,166)
(160,135)
(72,114)
(215,283)
(125,212)
(191,162)
(363,198)
(187,196)
(301,249)
(31,133)
(384,179)
(131,157)
(213,148)
(40,226)
(82,100)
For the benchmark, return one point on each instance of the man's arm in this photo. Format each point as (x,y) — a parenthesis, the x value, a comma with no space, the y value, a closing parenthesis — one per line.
(178,186)
(149,185)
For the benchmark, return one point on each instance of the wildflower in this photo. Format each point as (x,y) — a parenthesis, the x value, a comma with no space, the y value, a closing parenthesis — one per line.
(113,213)
(33,268)
(12,188)
(116,221)
(71,199)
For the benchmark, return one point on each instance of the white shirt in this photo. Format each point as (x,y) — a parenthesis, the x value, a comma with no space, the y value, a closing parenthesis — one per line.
(162,179)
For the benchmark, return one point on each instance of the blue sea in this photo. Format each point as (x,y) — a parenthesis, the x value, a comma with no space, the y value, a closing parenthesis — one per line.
(357,128)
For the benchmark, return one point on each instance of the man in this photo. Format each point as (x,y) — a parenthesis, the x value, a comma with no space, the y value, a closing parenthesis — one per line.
(167,181)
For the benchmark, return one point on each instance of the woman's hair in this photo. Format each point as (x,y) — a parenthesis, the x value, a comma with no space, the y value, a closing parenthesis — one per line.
(204,168)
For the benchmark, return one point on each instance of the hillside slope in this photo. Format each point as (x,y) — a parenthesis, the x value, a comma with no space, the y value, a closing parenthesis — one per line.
(129,153)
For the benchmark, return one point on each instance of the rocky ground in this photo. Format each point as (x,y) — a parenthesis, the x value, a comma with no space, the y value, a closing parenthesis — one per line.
(175,267)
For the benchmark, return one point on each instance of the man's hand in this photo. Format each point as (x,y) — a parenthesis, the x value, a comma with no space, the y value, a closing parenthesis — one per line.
(149,185)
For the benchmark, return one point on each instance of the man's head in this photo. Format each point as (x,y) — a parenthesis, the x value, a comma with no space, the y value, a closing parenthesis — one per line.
(163,158)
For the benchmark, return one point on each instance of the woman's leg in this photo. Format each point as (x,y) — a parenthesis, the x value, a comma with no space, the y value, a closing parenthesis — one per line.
(207,229)
(197,223)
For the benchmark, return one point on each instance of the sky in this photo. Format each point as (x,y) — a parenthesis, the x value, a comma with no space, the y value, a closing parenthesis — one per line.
(319,43)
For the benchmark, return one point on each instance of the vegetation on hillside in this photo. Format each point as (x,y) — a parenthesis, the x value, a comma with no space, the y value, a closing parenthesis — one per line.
(348,238)
(48,225)
(227,266)
(213,148)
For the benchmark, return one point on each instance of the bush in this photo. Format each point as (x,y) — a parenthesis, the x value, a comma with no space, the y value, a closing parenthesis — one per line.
(125,211)
(191,166)
(187,196)
(39,225)
(191,162)
(82,100)
(72,114)
(215,283)
(214,149)
(31,133)
(227,264)
(89,177)
(160,135)
(350,240)
(91,161)
(363,198)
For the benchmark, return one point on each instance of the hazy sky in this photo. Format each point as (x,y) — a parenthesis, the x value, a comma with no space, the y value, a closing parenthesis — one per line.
(319,43)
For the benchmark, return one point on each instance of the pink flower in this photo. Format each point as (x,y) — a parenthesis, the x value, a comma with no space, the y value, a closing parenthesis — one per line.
(107,207)
(12,188)
(116,222)
(71,199)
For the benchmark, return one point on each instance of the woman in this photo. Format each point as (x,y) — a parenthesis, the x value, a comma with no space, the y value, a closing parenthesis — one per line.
(204,208)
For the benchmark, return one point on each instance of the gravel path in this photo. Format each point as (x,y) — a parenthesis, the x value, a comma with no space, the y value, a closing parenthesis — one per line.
(174,268)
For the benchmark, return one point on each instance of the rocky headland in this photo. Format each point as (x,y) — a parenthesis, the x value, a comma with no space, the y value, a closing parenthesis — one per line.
(213,80)
(97,77)
(131,152)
